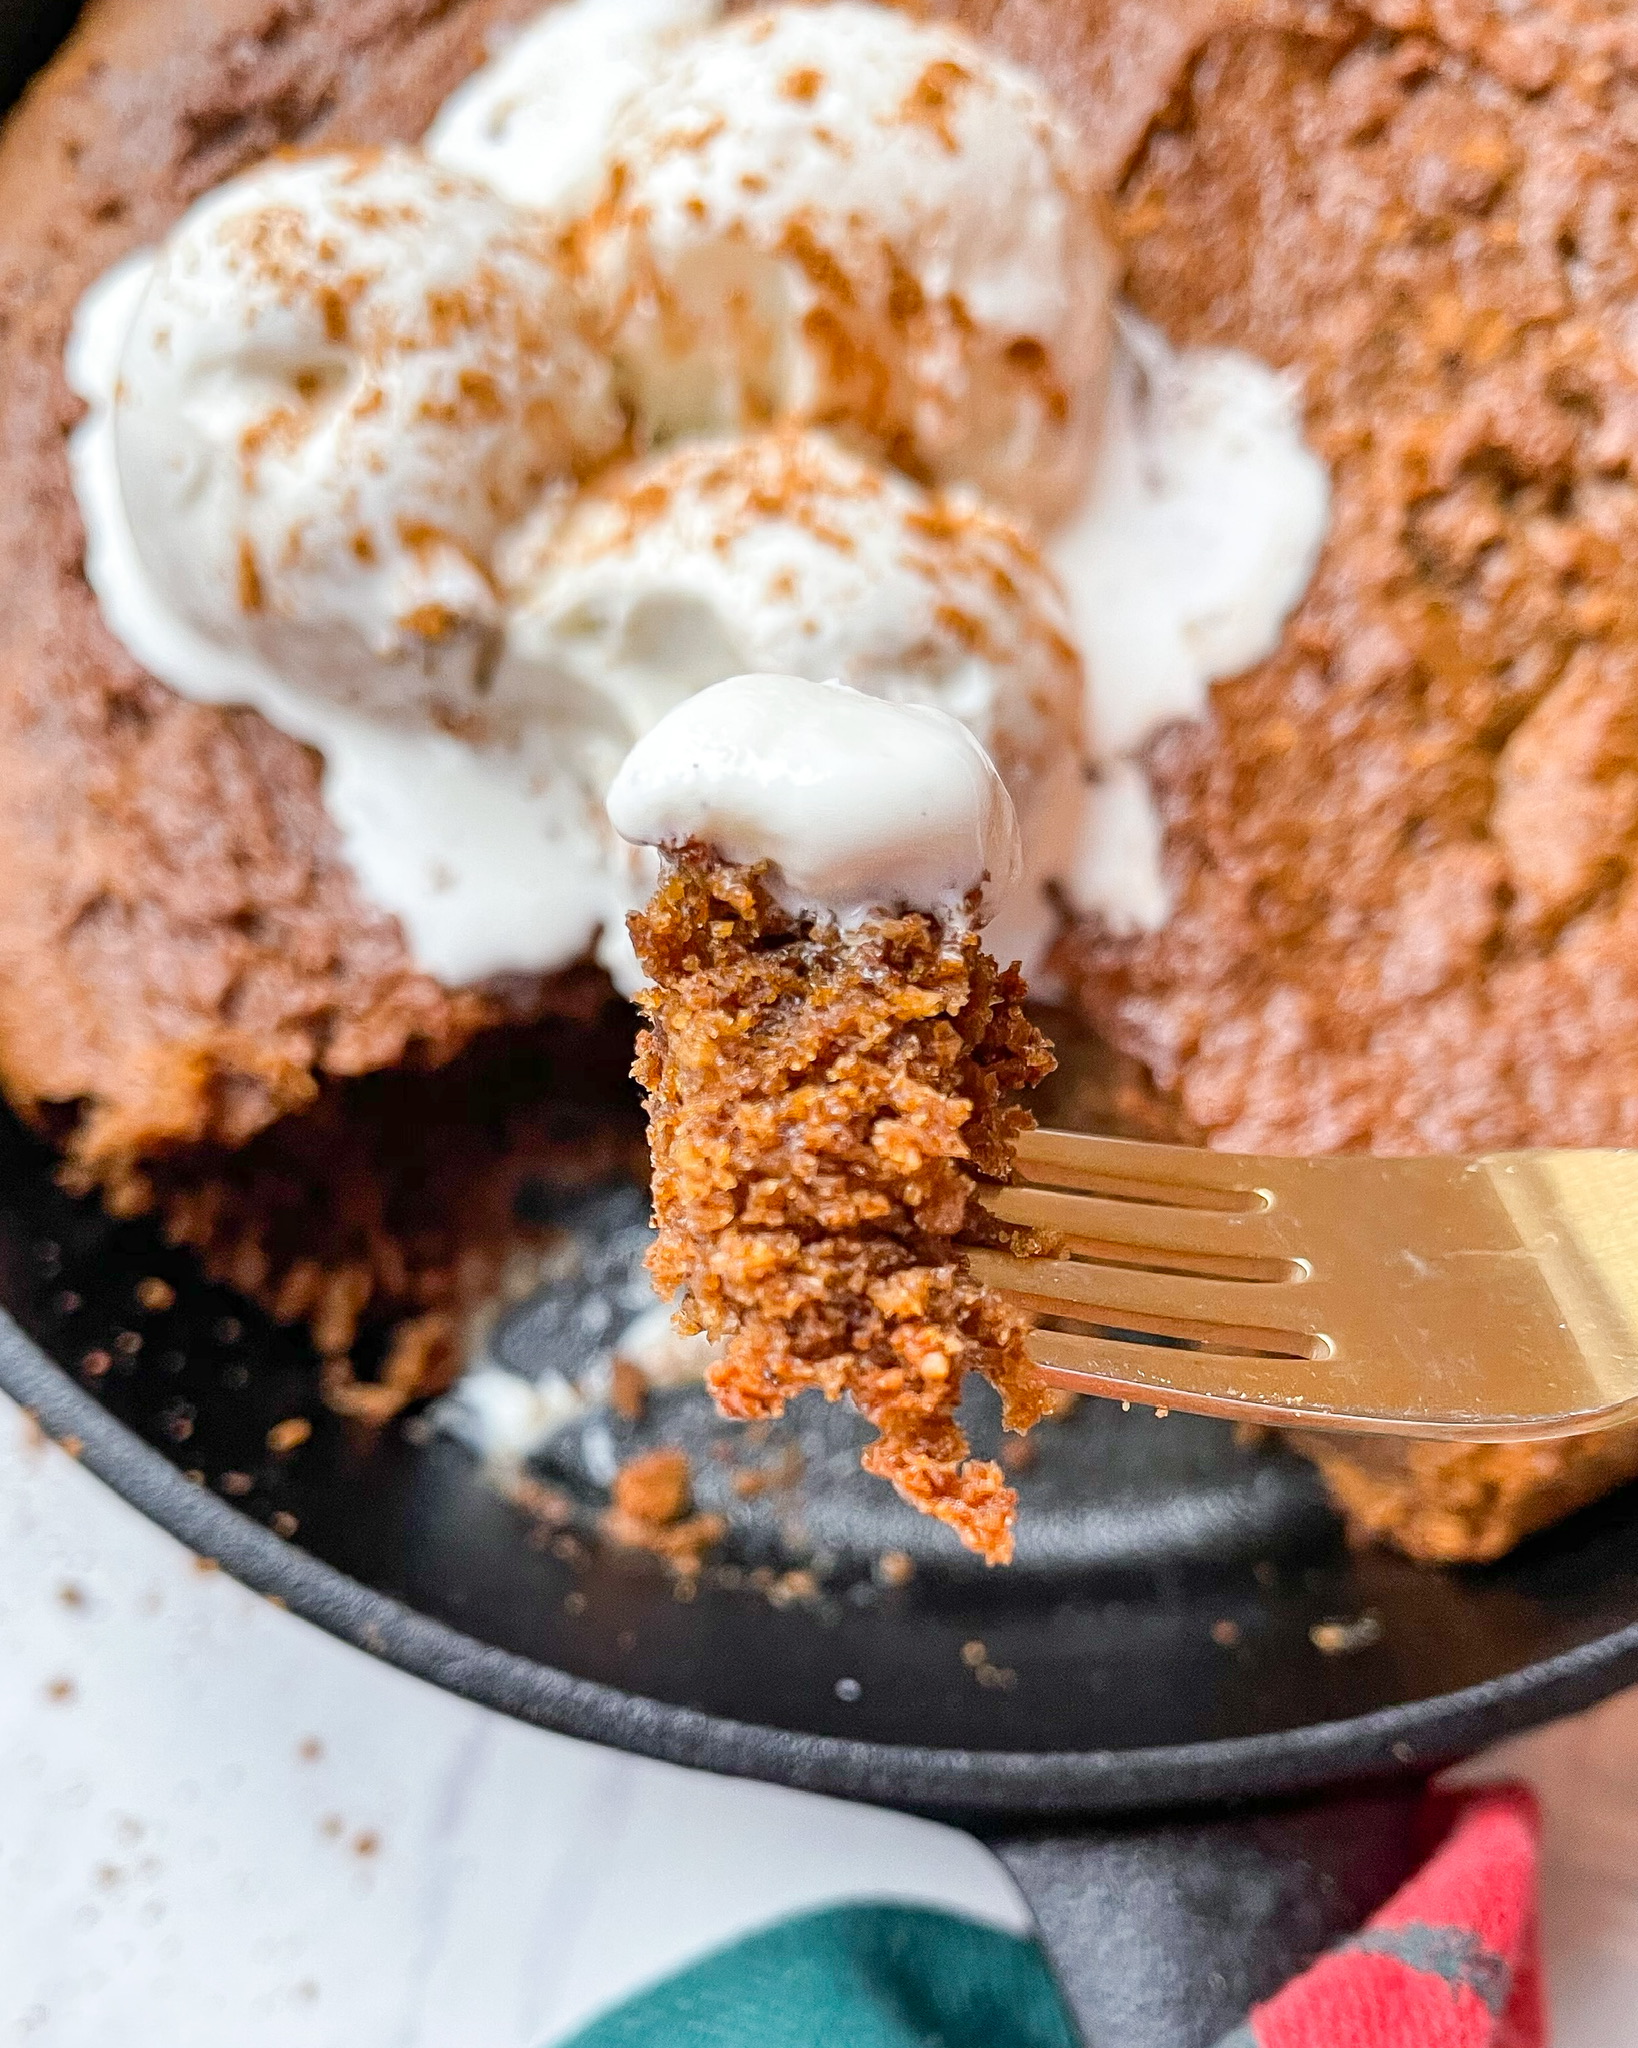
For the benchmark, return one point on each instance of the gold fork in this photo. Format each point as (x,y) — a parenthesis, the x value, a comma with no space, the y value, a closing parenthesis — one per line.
(1494,1299)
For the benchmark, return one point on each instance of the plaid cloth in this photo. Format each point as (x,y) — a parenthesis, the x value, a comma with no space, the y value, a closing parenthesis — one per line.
(1448,1962)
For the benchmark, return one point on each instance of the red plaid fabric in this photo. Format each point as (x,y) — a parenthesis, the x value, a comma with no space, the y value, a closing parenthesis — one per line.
(1449,1962)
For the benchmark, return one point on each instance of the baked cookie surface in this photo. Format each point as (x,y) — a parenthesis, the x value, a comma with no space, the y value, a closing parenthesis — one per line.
(1401,849)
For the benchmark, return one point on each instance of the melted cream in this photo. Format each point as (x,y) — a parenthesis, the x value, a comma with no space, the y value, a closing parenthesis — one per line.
(1113,870)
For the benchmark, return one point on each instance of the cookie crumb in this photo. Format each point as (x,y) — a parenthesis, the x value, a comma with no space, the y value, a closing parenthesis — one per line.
(782,1474)
(628,1389)
(1343,1638)
(895,1568)
(651,1499)
(657,1487)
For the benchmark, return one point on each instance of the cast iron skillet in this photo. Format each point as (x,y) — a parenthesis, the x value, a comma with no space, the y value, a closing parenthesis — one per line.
(1184,1625)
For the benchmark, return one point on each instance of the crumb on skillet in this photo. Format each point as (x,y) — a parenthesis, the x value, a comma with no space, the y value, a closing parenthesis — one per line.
(651,1503)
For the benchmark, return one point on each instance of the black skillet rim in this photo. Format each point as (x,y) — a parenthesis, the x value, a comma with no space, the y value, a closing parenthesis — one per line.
(1393,1741)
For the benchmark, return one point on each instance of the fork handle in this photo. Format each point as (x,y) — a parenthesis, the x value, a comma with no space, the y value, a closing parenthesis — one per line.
(1165,1936)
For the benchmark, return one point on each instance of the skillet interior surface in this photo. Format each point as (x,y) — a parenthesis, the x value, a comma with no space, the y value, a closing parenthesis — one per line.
(1171,1620)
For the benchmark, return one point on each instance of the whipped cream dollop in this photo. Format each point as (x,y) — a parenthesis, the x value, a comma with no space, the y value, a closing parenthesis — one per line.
(534,121)
(847,217)
(782,553)
(343,376)
(862,805)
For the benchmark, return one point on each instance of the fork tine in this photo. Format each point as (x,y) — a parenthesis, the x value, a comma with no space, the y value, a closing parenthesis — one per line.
(1484,1300)
(1203,1241)
(1181,1176)
(1226,1314)
(1202,1382)
(1276,1393)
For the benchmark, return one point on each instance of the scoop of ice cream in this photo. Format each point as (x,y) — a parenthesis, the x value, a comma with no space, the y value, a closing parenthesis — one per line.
(344,376)
(843,216)
(534,122)
(861,805)
(783,553)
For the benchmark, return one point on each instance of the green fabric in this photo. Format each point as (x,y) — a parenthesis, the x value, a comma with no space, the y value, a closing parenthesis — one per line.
(851,1977)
